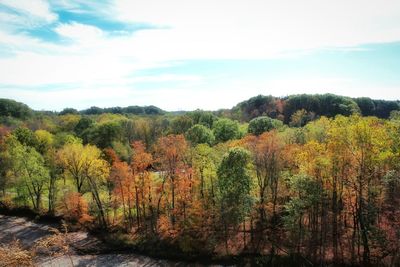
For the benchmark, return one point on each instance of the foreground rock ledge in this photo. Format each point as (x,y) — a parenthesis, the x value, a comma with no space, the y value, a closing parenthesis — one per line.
(28,232)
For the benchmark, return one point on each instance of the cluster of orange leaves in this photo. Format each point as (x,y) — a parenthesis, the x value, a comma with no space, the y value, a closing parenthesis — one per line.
(75,208)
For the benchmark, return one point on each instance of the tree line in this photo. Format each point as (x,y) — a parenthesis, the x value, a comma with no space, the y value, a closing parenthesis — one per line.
(281,108)
(312,106)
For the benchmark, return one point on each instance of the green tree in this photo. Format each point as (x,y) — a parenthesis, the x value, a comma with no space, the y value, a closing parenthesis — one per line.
(28,168)
(83,124)
(69,111)
(63,138)
(204,166)
(202,117)
(11,108)
(226,129)
(234,186)
(263,124)
(55,171)
(181,124)
(25,136)
(199,134)
(103,134)
(307,194)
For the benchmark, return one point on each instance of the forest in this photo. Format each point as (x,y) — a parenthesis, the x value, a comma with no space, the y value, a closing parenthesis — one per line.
(315,178)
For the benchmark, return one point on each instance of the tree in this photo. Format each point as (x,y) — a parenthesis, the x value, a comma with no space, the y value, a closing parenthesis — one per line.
(45,140)
(4,132)
(171,151)
(96,170)
(234,186)
(225,129)
(61,139)
(75,208)
(202,117)
(68,122)
(25,136)
(73,158)
(15,109)
(301,117)
(181,124)
(263,124)
(328,105)
(103,134)
(53,165)
(85,165)
(140,163)
(204,167)
(83,124)
(366,106)
(369,143)
(266,151)
(258,106)
(68,111)
(307,193)
(27,166)
(199,134)
(122,178)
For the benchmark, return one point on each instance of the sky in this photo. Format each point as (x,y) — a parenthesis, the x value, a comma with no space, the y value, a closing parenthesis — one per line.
(189,54)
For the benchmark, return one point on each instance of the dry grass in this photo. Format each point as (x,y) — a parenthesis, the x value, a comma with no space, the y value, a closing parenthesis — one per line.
(55,245)
(13,255)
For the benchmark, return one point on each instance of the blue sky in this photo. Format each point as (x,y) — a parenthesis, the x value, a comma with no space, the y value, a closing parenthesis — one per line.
(186,54)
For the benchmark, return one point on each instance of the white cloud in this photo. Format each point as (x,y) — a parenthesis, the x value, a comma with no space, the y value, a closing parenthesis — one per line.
(95,62)
(79,32)
(33,12)
(168,78)
(258,28)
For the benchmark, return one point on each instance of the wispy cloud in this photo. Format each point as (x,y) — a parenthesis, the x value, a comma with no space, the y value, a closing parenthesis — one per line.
(25,14)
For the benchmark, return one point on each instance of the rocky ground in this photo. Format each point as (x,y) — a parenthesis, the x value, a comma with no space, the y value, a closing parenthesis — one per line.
(28,232)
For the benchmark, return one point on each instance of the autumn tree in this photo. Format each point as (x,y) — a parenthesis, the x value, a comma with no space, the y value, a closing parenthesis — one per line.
(301,117)
(170,151)
(122,178)
(369,144)
(75,208)
(266,151)
(85,165)
(140,163)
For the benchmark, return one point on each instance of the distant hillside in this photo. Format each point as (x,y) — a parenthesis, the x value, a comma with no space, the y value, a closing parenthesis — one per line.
(136,110)
(11,108)
(303,106)
(311,105)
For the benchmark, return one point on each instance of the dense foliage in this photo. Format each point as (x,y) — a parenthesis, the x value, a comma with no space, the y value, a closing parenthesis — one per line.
(323,189)
(11,108)
(315,105)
